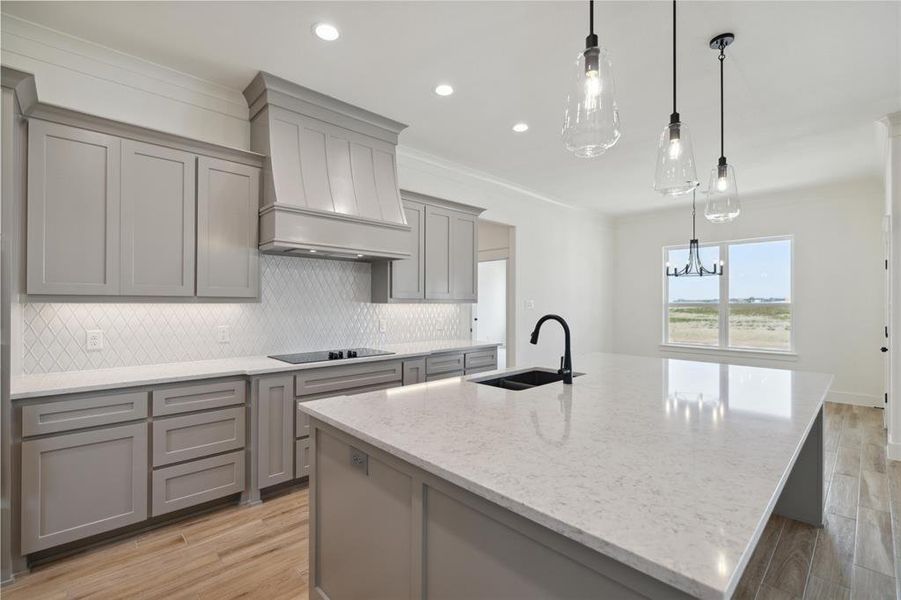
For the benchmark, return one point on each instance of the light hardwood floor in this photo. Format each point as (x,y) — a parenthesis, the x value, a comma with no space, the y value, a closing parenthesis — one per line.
(261,551)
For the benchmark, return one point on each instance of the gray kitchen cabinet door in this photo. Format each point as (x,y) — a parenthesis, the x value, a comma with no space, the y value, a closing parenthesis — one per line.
(275,430)
(408,275)
(438,253)
(464,256)
(158,206)
(80,484)
(228,205)
(414,371)
(73,210)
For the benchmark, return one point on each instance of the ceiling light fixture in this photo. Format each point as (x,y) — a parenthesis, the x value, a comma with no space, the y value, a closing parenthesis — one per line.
(521,127)
(676,173)
(723,205)
(694,268)
(444,89)
(326,31)
(591,119)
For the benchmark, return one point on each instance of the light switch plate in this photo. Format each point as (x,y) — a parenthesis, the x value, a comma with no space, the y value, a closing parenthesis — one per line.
(93,340)
(222,334)
(359,460)
(530,304)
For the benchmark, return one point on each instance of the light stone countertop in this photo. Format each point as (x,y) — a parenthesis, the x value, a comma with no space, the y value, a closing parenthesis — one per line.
(67,382)
(669,466)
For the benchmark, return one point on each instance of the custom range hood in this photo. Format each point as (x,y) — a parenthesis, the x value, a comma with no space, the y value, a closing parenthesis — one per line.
(330,175)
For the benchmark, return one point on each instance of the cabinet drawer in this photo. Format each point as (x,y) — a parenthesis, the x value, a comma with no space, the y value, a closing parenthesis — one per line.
(444,363)
(481,359)
(201,396)
(447,375)
(302,458)
(480,370)
(194,436)
(340,380)
(78,413)
(198,481)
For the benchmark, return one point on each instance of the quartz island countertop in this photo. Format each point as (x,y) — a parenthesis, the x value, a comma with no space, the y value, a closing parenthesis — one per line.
(67,382)
(669,466)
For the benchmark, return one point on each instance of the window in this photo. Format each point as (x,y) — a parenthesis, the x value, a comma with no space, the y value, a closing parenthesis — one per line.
(748,308)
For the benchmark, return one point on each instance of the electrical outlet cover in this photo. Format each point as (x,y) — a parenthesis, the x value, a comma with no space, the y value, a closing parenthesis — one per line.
(93,340)
(222,334)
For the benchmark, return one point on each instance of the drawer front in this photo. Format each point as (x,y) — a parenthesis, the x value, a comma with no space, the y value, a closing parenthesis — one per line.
(481,359)
(198,481)
(447,375)
(414,371)
(481,370)
(338,380)
(201,396)
(78,413)
(301,423)
(194,436)
(444,363)
(302,458)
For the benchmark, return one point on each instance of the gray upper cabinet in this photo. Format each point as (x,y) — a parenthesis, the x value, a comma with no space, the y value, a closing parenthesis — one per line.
(438,253)
(228,201)
(157,220)
(408,275)
(444,255)
(464,250)
(73,203)
(109,215)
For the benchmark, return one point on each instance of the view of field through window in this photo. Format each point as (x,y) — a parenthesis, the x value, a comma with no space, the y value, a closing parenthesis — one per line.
(758,310)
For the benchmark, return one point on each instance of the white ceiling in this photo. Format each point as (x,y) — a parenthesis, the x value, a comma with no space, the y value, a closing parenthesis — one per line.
(804,80)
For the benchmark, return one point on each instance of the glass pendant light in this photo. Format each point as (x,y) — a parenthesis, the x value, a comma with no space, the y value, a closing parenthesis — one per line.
(591,119)
(676,173)
(723,205)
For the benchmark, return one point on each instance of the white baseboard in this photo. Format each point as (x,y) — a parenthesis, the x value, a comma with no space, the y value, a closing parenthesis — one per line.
(893,451)
(855,399)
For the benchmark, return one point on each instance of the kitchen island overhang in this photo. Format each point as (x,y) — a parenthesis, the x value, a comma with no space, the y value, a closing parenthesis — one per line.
(646,478)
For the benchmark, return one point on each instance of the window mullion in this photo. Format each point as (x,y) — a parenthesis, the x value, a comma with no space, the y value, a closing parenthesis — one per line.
(724,297)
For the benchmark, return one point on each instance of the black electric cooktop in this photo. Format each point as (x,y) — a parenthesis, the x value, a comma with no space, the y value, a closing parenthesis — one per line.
(326,355)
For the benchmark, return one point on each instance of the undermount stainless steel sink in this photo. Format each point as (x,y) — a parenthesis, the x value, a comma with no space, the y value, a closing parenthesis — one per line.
(523,380)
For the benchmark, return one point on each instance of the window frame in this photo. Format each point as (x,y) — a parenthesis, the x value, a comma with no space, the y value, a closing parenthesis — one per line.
(723,306)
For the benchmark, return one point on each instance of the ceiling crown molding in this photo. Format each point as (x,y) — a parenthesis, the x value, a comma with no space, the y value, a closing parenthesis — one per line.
(892,123)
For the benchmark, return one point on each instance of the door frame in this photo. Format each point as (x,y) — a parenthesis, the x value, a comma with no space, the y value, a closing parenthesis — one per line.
(508,253)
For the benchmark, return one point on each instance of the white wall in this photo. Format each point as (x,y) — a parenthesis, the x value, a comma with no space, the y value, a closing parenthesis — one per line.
(837,280)
(563,257)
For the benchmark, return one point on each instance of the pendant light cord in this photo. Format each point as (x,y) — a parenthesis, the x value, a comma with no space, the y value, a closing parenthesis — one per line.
(722,58)
(694,235)
(591,17)
(674,57)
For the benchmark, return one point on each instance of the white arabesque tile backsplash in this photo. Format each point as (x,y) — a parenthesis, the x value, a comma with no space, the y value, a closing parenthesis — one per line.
(305,304)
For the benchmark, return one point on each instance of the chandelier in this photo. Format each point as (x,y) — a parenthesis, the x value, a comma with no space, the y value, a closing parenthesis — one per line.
(694,268)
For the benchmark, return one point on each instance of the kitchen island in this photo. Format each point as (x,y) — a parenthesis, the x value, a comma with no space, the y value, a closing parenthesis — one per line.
(645,478)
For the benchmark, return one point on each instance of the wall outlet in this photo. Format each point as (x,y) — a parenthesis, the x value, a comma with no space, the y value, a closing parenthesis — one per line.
(93,340)
(529,304)
(222,335)
(383,325)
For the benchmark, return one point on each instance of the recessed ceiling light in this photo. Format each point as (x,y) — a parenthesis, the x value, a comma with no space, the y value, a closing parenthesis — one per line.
(521,127)
(326,31)
(444,89)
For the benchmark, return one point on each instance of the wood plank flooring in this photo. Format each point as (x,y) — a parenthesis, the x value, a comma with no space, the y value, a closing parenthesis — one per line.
(261,551)
(858,553)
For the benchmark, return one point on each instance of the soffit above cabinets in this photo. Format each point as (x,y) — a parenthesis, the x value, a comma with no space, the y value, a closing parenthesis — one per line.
(330,176)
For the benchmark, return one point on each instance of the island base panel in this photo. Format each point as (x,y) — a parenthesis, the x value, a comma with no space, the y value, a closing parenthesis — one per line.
(802,498)
(381,527)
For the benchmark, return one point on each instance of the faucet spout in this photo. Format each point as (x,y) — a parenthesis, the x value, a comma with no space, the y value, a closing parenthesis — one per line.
(566,366)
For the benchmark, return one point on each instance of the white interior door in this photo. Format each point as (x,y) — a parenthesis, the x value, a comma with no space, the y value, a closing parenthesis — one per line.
(490,313)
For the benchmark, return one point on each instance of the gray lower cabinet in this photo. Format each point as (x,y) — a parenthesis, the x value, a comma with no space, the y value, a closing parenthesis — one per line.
(80,484)
(414,371)
(275,430)
(478,361)
(441,366)
(198,396)
(302,457)
(186,437)
(228,204)
(158,206)
(184,485)
(63,414)
(73,203)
